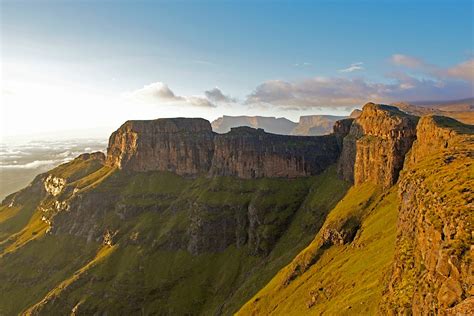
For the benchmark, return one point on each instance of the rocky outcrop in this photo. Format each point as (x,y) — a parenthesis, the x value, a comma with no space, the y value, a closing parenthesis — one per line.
(249,153)
(189,147)
(54,185)
(375,148)
(342,127)
(432,270)
(98,156)
(180,145)
(355,113)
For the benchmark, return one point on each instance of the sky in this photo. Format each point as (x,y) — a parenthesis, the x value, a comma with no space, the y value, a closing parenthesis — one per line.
(82,68)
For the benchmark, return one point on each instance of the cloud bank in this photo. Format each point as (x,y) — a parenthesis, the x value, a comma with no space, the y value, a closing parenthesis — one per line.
(424,82)
(158,92)
(413,79)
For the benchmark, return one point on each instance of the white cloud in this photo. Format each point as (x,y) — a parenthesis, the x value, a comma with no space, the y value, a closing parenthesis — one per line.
(160,92)
(353,67)
(32,165)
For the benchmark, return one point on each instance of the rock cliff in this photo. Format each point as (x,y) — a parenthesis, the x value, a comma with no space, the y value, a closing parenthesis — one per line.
(248,153)
(180,145)
(432,272)
(189,147)
(375,148)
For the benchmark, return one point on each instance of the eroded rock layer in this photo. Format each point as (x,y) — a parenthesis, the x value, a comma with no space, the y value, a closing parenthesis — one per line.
(189,147)
(432,271)
(180,145)
(375,148)
(249,153)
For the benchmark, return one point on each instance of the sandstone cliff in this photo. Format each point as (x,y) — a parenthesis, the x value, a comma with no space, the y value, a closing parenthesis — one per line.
(248,153)
(189,147)
(375,148)
(180,145)
(432,272)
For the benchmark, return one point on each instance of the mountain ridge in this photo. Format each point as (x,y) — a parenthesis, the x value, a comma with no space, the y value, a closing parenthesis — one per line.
(136,225)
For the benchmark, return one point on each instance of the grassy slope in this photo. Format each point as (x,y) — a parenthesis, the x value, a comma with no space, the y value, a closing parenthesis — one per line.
(140,276)
(344,279)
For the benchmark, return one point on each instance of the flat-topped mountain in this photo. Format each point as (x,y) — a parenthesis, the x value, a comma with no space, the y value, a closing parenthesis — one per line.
(181,145)
(308,125)
(315,124)
(270,124)
(187,146)
(177,219)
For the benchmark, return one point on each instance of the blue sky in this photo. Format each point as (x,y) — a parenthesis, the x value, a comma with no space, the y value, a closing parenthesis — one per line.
(148,59)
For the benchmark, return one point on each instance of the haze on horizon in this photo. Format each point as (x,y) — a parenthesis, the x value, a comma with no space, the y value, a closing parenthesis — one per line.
(83,68)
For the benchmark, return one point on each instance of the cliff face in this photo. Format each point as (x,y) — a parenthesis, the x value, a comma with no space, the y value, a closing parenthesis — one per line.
(220,239)
(375,148)
(432,272)
(249,153)
(180,145)
(189,147)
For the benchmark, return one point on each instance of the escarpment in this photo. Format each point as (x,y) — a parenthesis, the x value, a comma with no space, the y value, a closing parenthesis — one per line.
(375,148)
(180,220)
(248,153)
(180,145)
(189,147)
(432,270)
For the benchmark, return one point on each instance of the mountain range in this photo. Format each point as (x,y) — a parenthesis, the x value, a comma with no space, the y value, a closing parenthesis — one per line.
(313,125)
(180,219)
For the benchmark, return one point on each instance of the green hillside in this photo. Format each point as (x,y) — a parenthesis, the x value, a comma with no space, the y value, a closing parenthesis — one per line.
(338,278)
(152,263)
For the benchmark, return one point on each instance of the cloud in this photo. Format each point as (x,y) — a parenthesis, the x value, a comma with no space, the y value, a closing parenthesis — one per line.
(32,165)
(353,67)
(343,92)
(305,64)
(160,92)
(216,95)
(463,71)
(407,61)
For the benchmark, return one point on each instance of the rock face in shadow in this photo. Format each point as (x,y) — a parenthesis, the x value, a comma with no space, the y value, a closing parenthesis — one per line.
(249,153)
(181,145)
(432,270)
(375,148)
(189,147)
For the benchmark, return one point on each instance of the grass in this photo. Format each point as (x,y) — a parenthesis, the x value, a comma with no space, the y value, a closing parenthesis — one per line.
(345,279)
(144,270)
(103,253)
(31,272)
